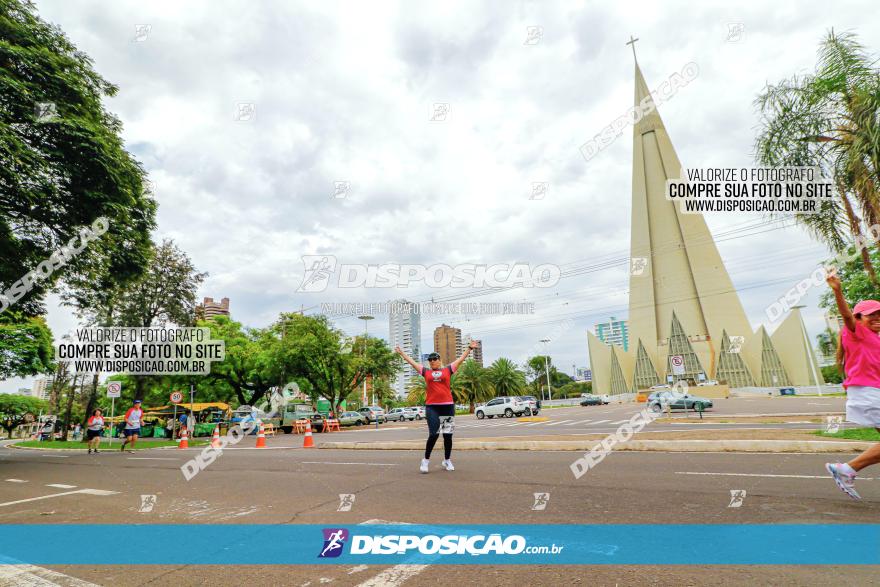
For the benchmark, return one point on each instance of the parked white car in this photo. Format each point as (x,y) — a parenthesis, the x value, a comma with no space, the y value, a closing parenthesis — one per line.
(400,414)
(502,407)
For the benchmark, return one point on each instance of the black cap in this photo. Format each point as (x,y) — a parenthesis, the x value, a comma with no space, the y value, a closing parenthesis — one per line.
(434,357)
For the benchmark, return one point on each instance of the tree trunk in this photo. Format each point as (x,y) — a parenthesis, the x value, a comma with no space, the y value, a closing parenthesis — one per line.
(856,231)
(65,427)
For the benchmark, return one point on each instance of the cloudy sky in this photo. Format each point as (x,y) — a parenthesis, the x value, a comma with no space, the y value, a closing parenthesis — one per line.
(347,92)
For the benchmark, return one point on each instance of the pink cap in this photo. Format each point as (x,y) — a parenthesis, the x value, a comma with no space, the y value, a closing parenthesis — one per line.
(866,307)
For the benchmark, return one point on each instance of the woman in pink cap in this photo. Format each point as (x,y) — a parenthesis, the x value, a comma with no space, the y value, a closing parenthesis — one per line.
(859,354)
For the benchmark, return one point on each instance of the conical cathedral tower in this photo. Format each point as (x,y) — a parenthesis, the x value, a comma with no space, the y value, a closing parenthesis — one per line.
(682,300)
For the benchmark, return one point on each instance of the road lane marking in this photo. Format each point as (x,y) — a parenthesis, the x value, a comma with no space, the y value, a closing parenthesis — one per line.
(16,480)
(60,486)
(341,463)
(600,422)
(764,475)
(576,422)
(557,422)
(396,575)
(85,491)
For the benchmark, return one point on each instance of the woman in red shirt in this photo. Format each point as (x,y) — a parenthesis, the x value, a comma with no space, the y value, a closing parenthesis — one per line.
(439,405)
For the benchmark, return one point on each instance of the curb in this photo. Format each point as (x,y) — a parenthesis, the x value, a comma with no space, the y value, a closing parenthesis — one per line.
(772,446)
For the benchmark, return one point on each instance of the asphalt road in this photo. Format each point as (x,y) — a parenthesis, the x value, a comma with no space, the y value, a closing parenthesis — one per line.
(299,486)
(606,419)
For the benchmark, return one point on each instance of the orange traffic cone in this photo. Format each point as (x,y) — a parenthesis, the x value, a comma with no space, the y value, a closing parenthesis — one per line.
(183,439)
(215,438)
(307,439)
(261,437)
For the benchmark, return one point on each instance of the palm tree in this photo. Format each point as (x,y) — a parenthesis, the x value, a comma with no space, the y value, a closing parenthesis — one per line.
(471,384)
(830,120)
(416,392)
(506,378)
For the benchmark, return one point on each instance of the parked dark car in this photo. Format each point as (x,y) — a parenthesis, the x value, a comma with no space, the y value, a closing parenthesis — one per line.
(592,400)
(658,402)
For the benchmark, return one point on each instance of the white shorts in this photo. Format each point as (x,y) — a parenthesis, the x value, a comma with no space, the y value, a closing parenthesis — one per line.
(863,405)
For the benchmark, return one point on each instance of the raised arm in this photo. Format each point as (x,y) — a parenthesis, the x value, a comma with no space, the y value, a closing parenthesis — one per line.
(408,359)
(471,346)
(842,307)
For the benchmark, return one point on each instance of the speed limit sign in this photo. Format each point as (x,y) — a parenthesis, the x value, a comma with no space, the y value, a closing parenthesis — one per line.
(176,397)
(114,389)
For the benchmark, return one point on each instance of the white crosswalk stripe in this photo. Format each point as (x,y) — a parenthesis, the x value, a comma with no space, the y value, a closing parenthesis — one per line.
(576,422)
(557,422)
(600,422)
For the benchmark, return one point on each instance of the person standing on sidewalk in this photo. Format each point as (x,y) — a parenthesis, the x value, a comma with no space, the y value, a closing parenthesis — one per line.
(439,405)
(133,418)
(94,428)
(858,353)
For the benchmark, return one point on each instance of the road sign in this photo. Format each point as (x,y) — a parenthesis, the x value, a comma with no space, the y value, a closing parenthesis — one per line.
(677,364)
(176,397)
(114,389)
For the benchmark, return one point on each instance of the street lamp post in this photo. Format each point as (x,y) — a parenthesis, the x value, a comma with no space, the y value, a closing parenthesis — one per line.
(366,318)
(547,368)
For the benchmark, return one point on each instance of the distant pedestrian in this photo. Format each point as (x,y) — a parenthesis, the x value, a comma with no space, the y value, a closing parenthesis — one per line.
(77,430)
(859,354)
(133,418)
(94,427)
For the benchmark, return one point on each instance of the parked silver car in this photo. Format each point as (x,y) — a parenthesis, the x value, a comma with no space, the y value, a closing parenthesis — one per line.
(401,415)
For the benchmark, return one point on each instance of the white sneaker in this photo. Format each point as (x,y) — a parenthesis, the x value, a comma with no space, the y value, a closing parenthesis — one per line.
(424,467)
(447,464)
(845,481)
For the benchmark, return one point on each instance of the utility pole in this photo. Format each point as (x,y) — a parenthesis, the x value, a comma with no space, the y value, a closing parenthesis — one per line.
(547,368)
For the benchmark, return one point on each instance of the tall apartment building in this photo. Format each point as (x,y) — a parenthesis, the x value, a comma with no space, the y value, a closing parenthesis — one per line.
(833,321)
(41,387)
(477,353)
(447,343)
(405,331)
(614,332)
(209,309)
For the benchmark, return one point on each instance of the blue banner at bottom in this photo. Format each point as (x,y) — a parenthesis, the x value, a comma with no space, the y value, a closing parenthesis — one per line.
(480,544)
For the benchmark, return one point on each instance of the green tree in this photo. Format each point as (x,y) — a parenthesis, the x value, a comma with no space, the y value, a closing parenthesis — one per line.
(165,292)
(311,350)
(25,345)
(506,378)
(832,374)
(246,369)
(471,384)
(61,172)
(830,120)
(855,282)
(416,392)
(15,410)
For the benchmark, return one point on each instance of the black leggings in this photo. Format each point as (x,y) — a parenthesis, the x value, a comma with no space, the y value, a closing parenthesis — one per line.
(434,414)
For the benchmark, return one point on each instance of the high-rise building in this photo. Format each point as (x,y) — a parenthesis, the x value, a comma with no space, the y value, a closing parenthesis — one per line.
(614,332)
(476,354)
(683,308)
(41,387)
(209,309)
(833,321)
(405,331)
(584,374)
(447,343)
